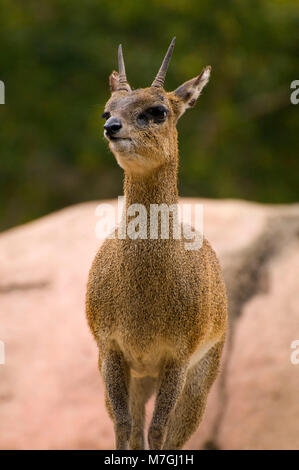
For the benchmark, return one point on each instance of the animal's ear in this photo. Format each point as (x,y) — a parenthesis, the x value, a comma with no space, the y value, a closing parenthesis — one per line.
(186,95)
(114,81)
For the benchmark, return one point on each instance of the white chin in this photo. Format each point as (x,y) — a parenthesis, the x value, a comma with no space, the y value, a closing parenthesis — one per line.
(134,163)
(121,145)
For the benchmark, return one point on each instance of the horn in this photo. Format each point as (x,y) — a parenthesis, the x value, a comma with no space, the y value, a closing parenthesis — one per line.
(160,77)
(122,80)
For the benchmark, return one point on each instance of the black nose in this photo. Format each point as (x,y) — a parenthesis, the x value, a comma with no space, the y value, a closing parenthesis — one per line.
(112,126)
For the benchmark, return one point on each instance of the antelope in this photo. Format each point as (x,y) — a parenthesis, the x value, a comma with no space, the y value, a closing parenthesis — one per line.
(157,311)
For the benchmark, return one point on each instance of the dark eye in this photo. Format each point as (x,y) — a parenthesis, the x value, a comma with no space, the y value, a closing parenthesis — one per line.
(142,119)
(105,115)
(157,113)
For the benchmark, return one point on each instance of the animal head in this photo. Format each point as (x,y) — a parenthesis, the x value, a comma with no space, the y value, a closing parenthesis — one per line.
(141,124)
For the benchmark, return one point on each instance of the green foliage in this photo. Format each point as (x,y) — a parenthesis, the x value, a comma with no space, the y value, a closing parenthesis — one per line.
(240,141)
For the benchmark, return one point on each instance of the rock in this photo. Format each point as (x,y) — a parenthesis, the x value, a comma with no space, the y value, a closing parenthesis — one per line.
(262,409)
(51,393)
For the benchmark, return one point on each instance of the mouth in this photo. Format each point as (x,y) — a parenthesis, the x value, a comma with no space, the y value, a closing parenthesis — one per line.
(116,139)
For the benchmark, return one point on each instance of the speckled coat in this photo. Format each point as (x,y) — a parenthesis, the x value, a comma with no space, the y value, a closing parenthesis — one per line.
(158,312)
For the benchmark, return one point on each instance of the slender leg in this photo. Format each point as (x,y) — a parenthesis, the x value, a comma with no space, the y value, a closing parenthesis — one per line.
(115,374)
(140,391)
(191,405)
(171,383)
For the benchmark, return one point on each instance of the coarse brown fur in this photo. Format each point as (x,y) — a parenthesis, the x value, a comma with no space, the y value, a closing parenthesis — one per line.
(157,311)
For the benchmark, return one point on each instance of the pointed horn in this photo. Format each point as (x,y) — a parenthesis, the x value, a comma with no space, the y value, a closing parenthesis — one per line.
(122,80)
(160,78)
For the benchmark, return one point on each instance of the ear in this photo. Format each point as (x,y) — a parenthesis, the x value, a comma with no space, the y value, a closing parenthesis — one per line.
(186,95)
(113,81)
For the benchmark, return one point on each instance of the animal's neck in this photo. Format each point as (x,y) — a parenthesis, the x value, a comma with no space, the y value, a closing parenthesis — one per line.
(157,188)
(160,189)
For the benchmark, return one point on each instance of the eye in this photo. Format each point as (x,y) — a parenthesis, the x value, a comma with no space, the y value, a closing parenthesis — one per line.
(142,119)
(157,113)
(106,115)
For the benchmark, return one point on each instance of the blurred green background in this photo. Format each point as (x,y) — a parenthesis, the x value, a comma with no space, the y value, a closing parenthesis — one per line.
(241,140)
